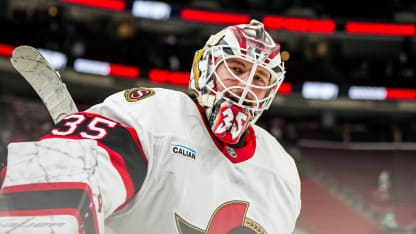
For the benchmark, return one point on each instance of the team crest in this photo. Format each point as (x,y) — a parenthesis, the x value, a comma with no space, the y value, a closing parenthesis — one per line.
(228,218)
(136,94)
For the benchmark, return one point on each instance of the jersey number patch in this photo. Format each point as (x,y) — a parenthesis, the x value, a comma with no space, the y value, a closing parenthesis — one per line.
(95,127)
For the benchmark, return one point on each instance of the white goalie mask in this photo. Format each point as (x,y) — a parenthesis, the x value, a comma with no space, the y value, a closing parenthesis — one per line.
(231,106)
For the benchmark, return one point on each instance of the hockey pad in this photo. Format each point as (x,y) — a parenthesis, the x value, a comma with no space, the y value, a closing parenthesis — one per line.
(51,187)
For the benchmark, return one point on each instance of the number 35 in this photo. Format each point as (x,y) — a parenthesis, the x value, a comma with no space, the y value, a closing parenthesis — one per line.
(78,119)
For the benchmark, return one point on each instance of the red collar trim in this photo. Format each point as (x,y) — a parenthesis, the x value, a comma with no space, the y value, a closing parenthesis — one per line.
(235,155)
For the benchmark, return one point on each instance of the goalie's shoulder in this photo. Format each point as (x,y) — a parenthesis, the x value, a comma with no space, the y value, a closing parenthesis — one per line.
(274,153)
(146,96)
(147,103)
(155,102)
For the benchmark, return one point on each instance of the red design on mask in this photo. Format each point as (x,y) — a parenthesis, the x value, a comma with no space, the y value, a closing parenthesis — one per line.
(230,123)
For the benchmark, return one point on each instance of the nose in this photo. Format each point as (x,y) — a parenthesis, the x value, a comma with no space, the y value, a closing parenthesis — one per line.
(242,84)
(243,78)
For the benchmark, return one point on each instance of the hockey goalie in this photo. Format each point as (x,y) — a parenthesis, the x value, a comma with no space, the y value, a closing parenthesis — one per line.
(161,161)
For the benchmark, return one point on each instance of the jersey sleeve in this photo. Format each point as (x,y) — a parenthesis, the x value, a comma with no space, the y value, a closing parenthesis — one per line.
(122,163)
(150,112)
(123,126)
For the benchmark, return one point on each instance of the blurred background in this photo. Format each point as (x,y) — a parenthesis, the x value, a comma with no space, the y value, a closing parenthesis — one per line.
(346,111)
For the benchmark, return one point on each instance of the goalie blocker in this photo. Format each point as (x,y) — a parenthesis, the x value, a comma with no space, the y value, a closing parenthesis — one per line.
(56,184)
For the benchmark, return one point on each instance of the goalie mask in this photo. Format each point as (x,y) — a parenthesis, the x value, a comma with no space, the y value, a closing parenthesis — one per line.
(235,78)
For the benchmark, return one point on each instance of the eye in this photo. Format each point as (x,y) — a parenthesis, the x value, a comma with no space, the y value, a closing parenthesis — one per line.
(259,80)
(236,69)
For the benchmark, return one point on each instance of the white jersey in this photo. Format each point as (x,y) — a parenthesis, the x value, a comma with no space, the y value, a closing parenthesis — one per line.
(191,183)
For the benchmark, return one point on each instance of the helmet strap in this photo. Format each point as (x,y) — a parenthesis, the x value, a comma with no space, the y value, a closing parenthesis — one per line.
(206,100)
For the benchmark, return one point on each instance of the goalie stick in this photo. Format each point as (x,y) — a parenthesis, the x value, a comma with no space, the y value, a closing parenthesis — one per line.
(45,80)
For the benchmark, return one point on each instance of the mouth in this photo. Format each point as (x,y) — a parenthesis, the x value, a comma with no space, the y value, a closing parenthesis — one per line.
(232,98)
(237,100)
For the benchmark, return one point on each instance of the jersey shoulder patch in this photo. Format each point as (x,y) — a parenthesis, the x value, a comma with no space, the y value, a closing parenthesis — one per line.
(136,94)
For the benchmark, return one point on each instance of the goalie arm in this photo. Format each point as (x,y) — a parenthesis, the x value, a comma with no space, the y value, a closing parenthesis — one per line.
(118,144)
(120,161)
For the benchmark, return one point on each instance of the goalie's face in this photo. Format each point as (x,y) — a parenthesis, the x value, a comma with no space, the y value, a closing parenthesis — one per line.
(242,81)
(241,87)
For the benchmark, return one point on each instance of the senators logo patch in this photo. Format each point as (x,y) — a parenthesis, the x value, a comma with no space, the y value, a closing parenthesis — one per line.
(229,218)
(136,94)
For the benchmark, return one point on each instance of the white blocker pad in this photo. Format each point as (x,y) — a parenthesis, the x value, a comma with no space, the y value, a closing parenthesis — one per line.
(53,185)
